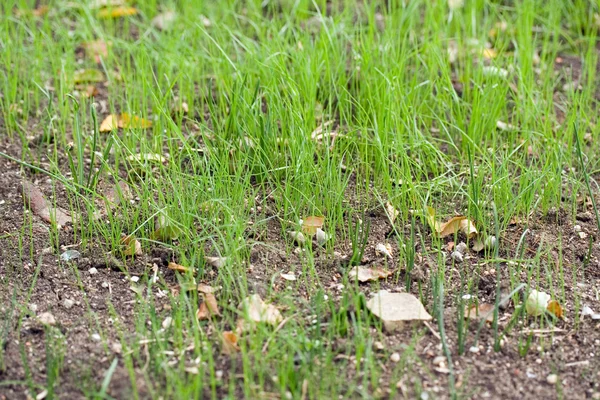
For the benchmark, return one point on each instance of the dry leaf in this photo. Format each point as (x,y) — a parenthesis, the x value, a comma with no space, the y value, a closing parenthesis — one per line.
(396,310)
(148,157)
(392,213)
(255,310)
(204,288)
(109,123)
(288,277)
(177,267)
(164,229)
(117,12)
(132,246)
(37,12)
(133,122)
(216,262)
(164,20)
(230,345)
(555,308)
(484,310)
(455,224)
(368,274)
(322,237)
(208,308)
(88,75)
(40,207)
(385,249)
(311,224)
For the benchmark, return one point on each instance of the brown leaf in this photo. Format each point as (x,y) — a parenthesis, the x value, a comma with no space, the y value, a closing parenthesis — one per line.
(555,308)
(484,310)
(230,341)
(208,308)
(117,12)
(132,246)
(204,288)
(133,122)
(368,274)
(34,197)
(109,123)
(177,267)
(311,224)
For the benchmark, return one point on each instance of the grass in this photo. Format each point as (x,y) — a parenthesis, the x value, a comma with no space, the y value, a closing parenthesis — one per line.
(258,78)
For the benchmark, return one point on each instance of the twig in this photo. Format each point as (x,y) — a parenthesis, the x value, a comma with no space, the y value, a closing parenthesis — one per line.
(433,332)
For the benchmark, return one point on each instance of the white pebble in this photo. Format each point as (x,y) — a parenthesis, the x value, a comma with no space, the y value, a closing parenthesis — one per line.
(68,303)
(96,337)
(552,379)
(395,357)
(93,271)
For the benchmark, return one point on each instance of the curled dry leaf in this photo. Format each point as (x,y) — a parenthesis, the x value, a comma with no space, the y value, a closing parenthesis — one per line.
(216,262)
(177,267)
(555,308)
(368,274)
(208,308)
(230,343)
(456,224)
(132,246)
(311,224)
(480,312)
(117,12)
(537,302)
(298,237)
(391,211)
(204,288)
(37,202)
(385,249)
(322,237)
(255,310)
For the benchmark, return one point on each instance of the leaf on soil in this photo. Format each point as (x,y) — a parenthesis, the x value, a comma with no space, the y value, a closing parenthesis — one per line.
(40,207)
(480,312)
(456,224)
(385,249)
(555,308)
(96,4)
(208,308)
(88,75)
(288,277)
(230,343)
(117,12)
(311,224)
(146,158)
(396,310)
(132,246)
(109,123)
(177,267)
(368,274)
(216,262)
(298,237)
(537,302)
(37,12)
(164,229)
(391,212)
(133,122)
(204,288)
(255,310)
(322,237)
(164,20)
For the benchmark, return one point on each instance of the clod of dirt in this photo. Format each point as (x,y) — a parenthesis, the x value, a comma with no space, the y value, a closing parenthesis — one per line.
(397,310)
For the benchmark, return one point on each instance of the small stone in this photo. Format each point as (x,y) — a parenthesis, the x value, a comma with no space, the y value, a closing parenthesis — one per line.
(116,347)
(134,279)
(219,374)
(105,284)
(47,319)
(457,256)
(577,228)
(167,322)
(93,271)
(395,357)
(582,235)
(474,349)
(34,307)
(96,337)
(461,247)
(68,303)
(439,360)
(378,346)
(552,379)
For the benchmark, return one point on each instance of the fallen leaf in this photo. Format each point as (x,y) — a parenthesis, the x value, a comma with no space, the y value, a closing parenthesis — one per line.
(133,122)
(322,237)
(165,229)
(391,212)
(537,302)
(368,274)
(40,207)
(311,224)
(289,277)
(230,341)
(396,310)
(216,262)
(96,4)
(255,310)
(385,249)
(208,308)
(455,224)
(164,20)
(109,123)
(117,12)
(484,310)
(555,308)
(177,267)
(37,12)
(88,75)
(132,246)
(204,288)
(298,237)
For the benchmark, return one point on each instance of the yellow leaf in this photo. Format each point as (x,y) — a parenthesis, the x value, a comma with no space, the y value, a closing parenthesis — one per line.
(110,123)
(133,122)
(88,75)
(311,224)
(555,308)
(230,345)
(177,267)
(117,12)
(488,54)
(455,224)
(433,224)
